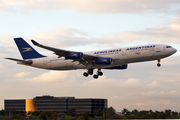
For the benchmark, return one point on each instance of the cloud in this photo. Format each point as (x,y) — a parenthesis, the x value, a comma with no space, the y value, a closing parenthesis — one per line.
(94,6)
(108,83)
(139,103)
(68,37)
(63,37)
(6,41)
(63,31)
(116,38)
(155,102)
(52,76)
(1,65)
(161,34)
(132,83)
(4,8)
(22,74)
(152,85)
(161,94)
(175,23)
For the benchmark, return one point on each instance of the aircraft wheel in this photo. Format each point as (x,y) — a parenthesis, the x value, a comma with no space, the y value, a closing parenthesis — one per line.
(85,74)
(159,65)
(100,73)
(95,76)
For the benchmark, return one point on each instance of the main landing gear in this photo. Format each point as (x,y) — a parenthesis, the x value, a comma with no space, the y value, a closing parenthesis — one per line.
(159,65)
(90,72)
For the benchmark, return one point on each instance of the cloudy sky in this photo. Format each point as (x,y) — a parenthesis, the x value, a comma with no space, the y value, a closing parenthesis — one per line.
(85,25)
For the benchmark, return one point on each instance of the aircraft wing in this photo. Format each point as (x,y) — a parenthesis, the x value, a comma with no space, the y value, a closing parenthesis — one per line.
(61,52)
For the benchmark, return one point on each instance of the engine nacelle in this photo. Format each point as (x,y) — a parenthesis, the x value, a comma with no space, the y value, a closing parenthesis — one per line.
(75,55)
(122,67)
(103,61)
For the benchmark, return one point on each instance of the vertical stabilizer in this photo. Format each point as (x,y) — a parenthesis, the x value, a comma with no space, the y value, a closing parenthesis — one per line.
(27,52)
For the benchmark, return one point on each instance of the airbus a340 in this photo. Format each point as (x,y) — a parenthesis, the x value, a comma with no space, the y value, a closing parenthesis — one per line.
(104,59)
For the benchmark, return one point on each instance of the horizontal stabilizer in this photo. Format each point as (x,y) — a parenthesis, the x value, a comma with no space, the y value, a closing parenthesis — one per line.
(29,62)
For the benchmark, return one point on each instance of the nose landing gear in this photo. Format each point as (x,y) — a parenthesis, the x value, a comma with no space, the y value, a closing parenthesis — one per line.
(159,65)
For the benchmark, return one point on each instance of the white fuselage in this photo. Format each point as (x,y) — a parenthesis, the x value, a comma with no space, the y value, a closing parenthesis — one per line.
(124,55)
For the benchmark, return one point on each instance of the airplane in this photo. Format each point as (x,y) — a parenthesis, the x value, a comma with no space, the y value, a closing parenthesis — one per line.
(117,59)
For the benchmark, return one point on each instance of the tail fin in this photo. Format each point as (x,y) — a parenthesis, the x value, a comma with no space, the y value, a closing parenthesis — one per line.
(27,52)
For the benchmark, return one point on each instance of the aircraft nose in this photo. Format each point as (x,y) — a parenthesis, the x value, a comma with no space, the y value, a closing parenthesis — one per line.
(174,50)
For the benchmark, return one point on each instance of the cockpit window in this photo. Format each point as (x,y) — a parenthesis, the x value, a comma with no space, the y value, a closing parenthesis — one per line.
(168,47)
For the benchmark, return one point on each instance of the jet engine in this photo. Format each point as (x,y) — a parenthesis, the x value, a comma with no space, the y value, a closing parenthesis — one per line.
(75,55)
(103,61)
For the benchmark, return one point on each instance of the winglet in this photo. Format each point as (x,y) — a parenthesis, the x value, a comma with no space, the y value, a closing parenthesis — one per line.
(34,42)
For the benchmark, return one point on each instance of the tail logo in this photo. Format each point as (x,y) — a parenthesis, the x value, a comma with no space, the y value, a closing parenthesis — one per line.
(26,49)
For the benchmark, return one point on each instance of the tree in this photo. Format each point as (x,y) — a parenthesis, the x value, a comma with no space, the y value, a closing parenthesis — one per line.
(36,113)
(85,115)
(168,113)
(126,112)
(2,112)
(98,112)
(72,111)
(48,114)
(80,118)
(6,118)
(174,114)
(62,117)
(150,112)
(135,112)
(29,113)
(15,115)
(111,113)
